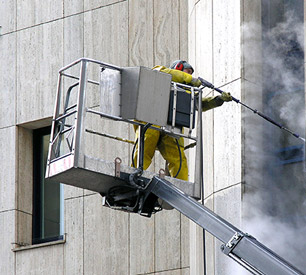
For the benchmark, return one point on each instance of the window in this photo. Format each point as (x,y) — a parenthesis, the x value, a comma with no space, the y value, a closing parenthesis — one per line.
(47,195)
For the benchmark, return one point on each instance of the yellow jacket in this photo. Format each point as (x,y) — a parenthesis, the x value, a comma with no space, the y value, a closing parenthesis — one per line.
(184,78)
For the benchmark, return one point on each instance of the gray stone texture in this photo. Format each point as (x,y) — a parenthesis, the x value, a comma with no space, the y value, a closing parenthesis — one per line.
(7,237)
(167,246)
(72,7)
(142,244)
(74,226)
(25,166)
(40,55)
(42,260)
(8,169)
(106,241)
(7,17)
(8,79)
(31,13)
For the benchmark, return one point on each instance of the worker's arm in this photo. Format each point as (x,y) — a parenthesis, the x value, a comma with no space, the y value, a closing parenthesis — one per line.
(179,76)
(185,78)
(216,101)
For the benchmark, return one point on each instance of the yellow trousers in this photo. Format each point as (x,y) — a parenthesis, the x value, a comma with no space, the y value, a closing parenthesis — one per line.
(168,148)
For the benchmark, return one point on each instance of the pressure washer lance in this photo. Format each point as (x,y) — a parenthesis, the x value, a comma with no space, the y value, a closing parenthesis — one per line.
(211,86)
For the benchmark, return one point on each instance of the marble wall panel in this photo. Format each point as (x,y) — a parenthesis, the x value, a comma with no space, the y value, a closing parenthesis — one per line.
(72,192)
(203,40)
(73,37)
(73,7)
(204,68)
(191,32)
(94,4)
(7,237)
(185,242)
(141,244)
(73,49)
(166,31)
(30,13)
(183,54)
(227,204)
(24,228)
(7,168)
(106,241)
(167,240)
(106,34)
(227,41)
(170,272)
(227,155)
(25,170)
(7,16)
(8,79)
(208,152)
(141,33)
(73,249)
(39,58)
(196,249)
(42,260)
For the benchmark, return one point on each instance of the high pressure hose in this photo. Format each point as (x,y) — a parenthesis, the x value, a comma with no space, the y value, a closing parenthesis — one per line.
(180,153)
(133,152)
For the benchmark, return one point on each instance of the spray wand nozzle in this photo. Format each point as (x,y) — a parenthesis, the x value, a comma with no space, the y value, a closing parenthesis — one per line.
(211,86)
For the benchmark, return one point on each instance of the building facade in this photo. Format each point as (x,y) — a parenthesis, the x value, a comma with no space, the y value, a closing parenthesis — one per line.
(254,173)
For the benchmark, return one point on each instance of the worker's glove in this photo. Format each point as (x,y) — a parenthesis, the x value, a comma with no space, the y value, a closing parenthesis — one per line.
(195,82)
(226,96)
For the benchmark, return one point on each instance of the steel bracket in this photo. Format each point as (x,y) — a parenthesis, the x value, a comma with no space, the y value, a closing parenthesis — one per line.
(117,167)
(227,248)
(162,173)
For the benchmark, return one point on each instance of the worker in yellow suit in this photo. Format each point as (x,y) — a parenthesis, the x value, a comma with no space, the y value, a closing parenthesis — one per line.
(181,72)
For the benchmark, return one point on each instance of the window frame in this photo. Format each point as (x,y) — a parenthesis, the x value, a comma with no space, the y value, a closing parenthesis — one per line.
(37,234)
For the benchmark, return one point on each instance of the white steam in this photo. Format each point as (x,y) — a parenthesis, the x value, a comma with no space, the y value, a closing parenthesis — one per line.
(274,204)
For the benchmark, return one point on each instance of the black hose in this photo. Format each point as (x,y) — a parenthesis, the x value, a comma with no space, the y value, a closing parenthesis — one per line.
(133,152)
(180,153)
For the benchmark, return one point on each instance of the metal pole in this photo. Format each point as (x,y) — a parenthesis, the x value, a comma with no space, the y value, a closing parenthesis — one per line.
(201,171)
(209,85)
(80,115)
(141,144)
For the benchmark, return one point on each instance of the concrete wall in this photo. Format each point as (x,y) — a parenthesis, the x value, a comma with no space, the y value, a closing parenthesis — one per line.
(37,39)
(215,49)
(225,43)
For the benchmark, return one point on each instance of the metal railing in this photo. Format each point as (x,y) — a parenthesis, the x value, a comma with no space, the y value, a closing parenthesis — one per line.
(68,125)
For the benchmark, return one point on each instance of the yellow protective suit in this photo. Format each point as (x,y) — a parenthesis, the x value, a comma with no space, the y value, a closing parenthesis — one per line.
(167,145)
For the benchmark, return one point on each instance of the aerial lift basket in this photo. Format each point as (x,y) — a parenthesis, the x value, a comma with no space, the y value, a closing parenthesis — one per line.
(93,97)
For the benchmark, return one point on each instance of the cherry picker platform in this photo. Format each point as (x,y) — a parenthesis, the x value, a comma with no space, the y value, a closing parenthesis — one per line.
(81,154)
